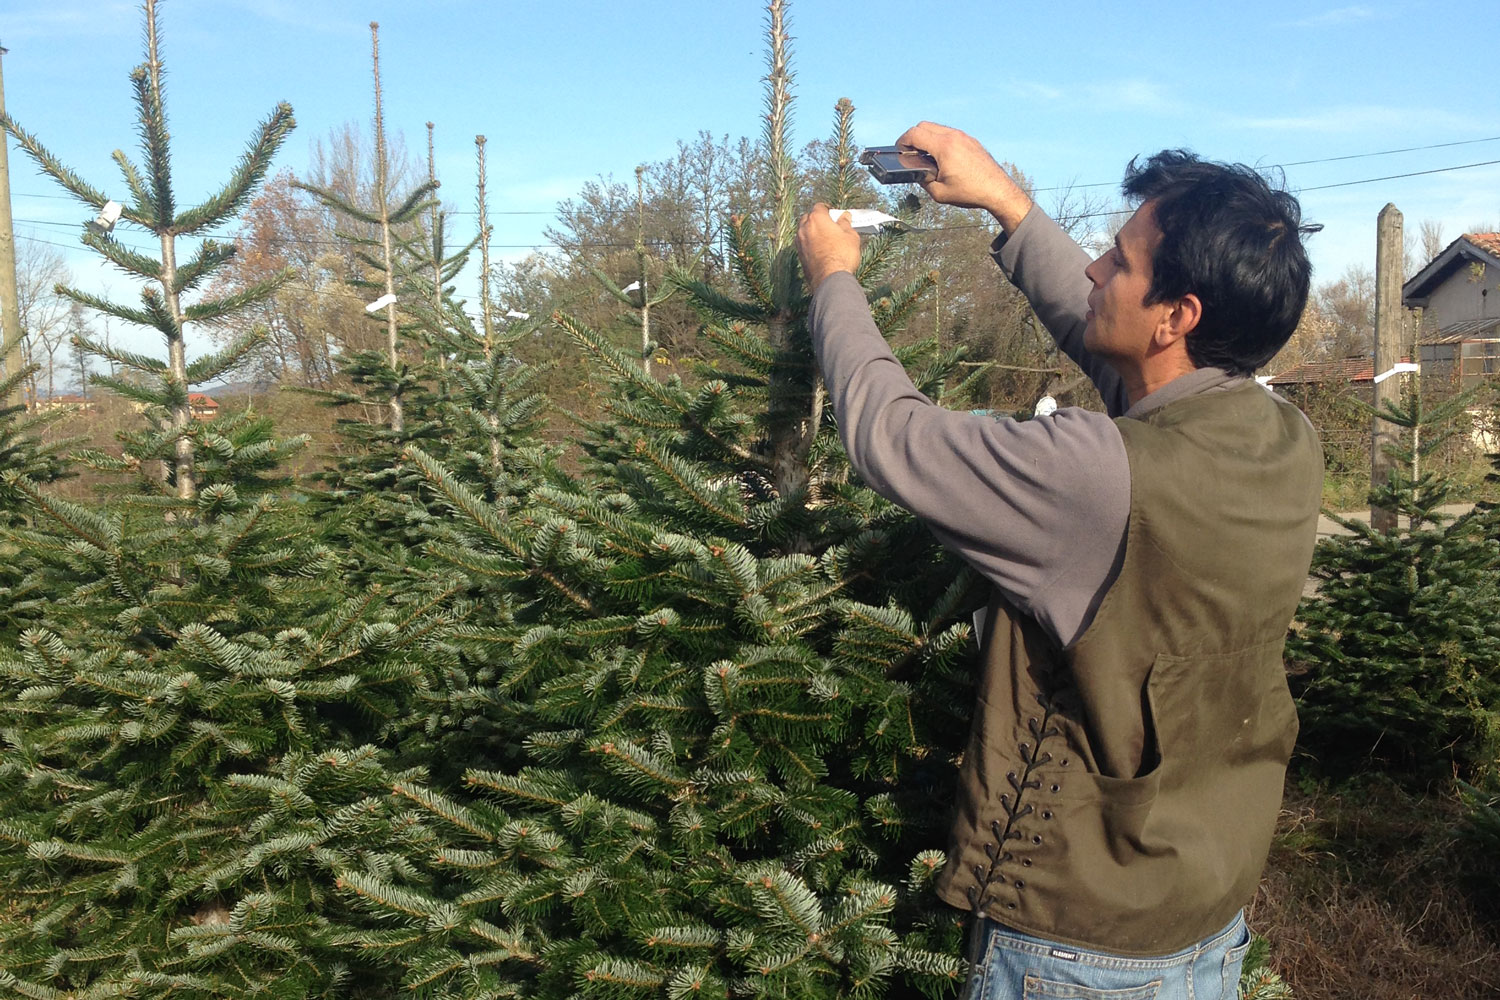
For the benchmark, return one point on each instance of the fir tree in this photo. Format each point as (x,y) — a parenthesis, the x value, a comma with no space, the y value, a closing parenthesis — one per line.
(164,385)
(723,729)
(190,727)
(24,457)
(639,295)
(386,376)
(1396,659)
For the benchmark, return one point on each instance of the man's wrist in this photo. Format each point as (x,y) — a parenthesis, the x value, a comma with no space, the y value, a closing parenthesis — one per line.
(1010,207)
(816,280)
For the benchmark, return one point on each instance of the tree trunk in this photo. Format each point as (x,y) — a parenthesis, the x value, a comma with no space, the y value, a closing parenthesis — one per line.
(392,336)
(187,487)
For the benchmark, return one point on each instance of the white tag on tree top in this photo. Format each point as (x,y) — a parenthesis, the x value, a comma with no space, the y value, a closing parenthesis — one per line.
(864,220)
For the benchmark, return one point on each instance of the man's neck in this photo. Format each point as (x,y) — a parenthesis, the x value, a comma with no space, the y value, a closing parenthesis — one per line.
(1142,382)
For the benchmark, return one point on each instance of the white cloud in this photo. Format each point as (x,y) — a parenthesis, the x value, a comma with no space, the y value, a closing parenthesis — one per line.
(1339,16)
(1133,95)
(1127,94)
(1039,91)
(1365,118)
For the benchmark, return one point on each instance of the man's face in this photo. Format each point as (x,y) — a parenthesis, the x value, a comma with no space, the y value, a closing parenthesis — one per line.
(1119,325)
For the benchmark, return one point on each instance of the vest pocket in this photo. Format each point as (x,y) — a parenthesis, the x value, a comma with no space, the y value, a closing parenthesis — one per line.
(1204,716)
(1219,710)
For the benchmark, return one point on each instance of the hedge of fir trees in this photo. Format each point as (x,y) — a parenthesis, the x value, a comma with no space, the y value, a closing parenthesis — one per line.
(672,724)
(452,720)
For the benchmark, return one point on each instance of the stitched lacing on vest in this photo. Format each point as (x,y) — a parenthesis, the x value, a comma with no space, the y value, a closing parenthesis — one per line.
(1016,805)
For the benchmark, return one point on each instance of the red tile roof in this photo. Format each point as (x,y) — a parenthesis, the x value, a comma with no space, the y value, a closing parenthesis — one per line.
(1485,241)
(199,399)
(1343,370)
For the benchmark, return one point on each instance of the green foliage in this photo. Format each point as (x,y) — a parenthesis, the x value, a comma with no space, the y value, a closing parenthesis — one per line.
(190,727)
(22,450)
(1257,980)
(24,459)
(710,736)
(1396,662)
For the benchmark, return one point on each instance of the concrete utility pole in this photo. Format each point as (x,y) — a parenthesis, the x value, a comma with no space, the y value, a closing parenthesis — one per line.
(10,304)
(1390,318)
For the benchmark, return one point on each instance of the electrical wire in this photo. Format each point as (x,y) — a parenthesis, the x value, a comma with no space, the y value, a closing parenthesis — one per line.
(605,245)
(1075,187)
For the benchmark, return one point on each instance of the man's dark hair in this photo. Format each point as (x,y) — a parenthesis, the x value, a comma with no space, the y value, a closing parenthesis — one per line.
(1234,241)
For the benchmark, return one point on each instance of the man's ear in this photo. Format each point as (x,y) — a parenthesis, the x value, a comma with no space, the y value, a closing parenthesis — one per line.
(1180,320)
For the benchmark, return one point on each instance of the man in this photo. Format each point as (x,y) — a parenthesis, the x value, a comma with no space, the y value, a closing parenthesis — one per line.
(1132,722)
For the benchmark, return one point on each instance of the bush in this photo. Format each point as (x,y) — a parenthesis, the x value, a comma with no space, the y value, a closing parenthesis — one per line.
(1395,659)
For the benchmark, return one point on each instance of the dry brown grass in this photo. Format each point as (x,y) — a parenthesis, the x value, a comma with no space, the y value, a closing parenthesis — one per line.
(1366,896)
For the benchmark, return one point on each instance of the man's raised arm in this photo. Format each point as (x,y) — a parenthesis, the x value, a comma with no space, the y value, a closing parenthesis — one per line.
(1041,260)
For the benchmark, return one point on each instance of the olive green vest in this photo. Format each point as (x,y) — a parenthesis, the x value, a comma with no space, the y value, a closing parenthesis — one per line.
(1121,793)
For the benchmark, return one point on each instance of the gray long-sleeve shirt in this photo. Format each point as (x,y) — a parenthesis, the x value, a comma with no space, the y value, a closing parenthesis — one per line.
(1040,507)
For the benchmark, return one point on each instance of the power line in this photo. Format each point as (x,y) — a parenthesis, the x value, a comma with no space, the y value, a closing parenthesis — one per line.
(1307,163)
(623,245)
(1073,187)
(1394,177)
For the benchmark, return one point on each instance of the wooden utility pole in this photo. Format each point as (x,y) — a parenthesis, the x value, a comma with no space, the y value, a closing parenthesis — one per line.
(1390,318)
(10,304)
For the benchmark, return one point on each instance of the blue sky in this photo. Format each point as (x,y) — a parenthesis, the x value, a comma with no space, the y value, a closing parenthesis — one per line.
(568,90)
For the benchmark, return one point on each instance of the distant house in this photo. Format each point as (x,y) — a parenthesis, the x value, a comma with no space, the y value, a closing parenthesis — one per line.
(1357,371)
(1459,295)
(68,399)
(1344,371)
(202,407)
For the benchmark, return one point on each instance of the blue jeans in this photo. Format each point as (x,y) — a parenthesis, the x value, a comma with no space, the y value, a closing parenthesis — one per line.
(1007,965)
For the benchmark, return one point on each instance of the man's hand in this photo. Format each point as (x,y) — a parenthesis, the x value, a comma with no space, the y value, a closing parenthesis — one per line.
(826,246)
(968,176)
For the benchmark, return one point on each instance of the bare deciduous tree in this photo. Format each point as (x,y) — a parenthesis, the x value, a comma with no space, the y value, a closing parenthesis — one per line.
(1432,240)
(1349,304)
(44,313)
